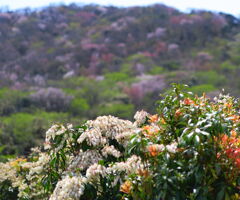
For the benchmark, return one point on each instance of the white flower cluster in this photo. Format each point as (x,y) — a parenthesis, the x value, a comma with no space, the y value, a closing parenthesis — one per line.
(172,148)
(37,167)
(94,171)
(110,150)
(107,127)
(123,138)
(140,117)
(99,134)
(69,188)
(84,159)
(22,186)
(7,172)
(132,164)
(33,176)
(56,129)
(104,128)
(93,136)
(222,98)
(110,126)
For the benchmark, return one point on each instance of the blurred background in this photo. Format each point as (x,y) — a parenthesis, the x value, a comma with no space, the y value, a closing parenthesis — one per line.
(72,61)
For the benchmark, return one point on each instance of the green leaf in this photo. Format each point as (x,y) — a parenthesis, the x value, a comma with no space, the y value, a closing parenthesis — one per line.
(220,194)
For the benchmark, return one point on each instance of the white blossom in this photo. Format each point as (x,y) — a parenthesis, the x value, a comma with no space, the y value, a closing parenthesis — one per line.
(110,150)
(172,148)
(51,133)
(140,117)
(94,171)
(93,136)
(69,188)
(133,164)
(110,126)
(123,138)
(84,159)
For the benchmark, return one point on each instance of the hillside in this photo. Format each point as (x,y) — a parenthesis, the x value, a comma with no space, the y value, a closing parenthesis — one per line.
(71,63)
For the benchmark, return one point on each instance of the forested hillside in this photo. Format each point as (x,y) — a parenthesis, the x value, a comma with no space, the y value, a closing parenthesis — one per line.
(72,63)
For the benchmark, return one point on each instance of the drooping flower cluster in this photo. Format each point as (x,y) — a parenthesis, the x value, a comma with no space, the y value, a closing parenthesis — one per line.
(140,117)
(110,150)
(7,172)
(84,159)
(25,175)
(104,128)
(131,165)
(69,188)
(109,126)
(94,171)
(56,129)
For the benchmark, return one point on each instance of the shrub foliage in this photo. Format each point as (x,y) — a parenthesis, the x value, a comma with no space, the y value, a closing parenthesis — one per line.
(189,150)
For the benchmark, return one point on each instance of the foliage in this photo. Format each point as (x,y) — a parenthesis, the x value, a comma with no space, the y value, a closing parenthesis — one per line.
(21,131)
(189,166)
(116,77)
(189,150)
(79,106)
(210,77)
(156,70)
(7,191)
(123,111)
(200,89)
(12,101)
(89,60)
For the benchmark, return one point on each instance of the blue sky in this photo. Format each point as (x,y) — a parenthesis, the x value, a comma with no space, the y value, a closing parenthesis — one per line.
(228,6)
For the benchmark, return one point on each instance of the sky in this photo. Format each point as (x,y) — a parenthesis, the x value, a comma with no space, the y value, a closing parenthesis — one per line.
(227,6)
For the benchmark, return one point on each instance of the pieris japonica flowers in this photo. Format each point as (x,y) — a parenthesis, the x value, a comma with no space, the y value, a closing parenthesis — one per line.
(69,188)
(94,171)
(140,117)
(110,150)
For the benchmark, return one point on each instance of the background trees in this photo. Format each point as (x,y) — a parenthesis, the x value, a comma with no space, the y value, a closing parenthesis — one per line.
(80,62)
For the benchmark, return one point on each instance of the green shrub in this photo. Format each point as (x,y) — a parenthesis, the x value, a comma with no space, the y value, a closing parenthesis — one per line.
(119,110)
(210,77)
(116,77)
(171,65)
(189,150)
(22,131)
(12,101)
(156,70)
(79,106)
(227,67)
(200,89)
